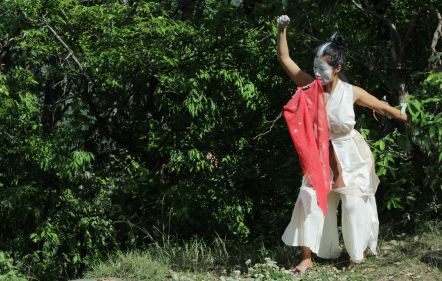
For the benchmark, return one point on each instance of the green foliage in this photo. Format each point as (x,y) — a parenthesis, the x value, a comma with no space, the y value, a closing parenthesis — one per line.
(8,272)
(408,160)
(121,115)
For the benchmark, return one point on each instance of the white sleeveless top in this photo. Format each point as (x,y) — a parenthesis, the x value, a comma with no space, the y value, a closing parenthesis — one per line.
(341,116)
(352,152)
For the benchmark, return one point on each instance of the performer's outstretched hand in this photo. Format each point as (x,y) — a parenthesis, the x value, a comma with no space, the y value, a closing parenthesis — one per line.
(283,21)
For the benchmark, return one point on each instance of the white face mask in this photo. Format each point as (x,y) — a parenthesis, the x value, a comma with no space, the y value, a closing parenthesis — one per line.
(323,71)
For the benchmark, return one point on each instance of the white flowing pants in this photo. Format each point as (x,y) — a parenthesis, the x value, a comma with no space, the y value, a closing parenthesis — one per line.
(308,226)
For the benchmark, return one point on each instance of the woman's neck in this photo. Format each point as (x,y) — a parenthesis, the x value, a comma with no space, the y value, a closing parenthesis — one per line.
(330,87)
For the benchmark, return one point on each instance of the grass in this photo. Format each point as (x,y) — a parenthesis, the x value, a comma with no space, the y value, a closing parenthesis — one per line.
(132,266)
(399,258)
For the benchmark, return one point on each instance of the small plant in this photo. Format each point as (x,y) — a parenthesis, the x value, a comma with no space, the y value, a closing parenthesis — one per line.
(8,271)
(268,271)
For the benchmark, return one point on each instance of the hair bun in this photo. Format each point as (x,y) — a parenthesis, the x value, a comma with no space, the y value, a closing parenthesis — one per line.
(338,40)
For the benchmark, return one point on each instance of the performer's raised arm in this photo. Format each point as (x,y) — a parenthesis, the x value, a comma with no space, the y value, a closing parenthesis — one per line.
(363,98)
(293,70)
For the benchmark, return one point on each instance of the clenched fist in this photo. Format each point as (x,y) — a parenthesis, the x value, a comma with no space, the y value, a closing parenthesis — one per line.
(283,21)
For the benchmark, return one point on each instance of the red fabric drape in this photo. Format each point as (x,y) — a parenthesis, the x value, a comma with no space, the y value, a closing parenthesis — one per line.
(306,118)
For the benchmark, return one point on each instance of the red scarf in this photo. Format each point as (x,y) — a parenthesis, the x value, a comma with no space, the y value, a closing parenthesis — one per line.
(306,118)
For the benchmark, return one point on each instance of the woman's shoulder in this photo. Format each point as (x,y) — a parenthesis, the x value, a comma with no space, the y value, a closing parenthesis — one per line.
(353,90)
(347,86)
(357,91)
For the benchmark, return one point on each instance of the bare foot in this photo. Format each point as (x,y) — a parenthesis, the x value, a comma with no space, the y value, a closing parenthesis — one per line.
(303,266)
(355,263)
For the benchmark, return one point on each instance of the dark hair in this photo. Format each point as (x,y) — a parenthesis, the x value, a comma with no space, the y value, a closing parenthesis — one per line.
(334,49)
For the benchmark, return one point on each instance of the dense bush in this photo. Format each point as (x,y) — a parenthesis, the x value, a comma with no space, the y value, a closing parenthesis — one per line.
(125,120)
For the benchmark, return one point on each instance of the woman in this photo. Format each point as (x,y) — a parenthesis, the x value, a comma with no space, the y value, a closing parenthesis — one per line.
(354,181)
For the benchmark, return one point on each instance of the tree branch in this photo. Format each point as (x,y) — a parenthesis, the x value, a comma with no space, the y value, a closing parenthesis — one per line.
(71,53)
(271,127)
(436,36)
(394,33)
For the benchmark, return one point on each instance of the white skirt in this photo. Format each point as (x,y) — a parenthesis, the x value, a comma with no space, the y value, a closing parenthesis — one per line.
(308,227)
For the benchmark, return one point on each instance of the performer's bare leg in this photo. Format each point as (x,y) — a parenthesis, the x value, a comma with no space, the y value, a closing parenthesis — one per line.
(338,179)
